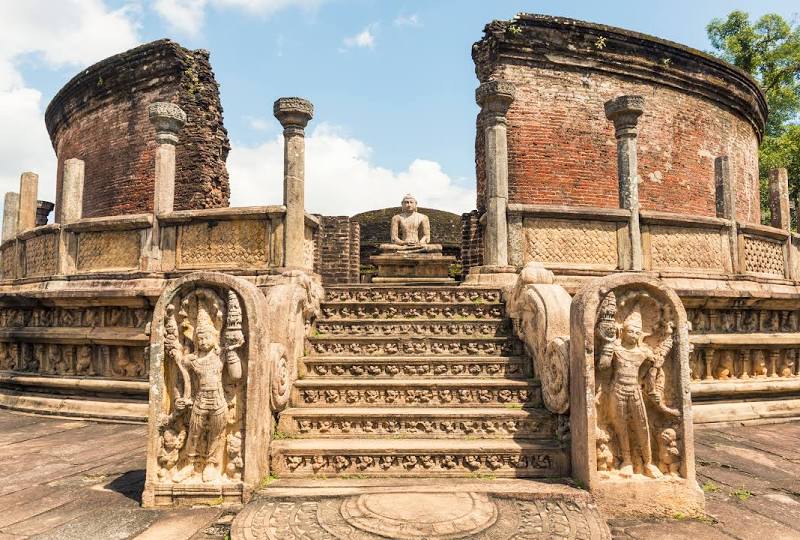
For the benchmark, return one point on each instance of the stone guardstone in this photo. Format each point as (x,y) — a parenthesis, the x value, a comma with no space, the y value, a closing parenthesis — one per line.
(413,268)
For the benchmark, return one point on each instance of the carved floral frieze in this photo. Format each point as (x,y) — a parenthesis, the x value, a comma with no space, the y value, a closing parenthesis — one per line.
(500,368)
(400,311)
(448,296)
(420,396)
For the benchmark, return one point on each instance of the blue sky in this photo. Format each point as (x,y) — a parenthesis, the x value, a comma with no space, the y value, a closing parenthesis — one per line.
(392,81)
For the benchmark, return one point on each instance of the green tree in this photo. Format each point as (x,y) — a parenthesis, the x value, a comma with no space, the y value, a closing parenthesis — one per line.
(769,50)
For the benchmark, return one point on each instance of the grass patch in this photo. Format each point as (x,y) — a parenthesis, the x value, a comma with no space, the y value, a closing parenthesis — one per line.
(513,405)
(711,487)
(267,480)
(278,435)
(741,494)
(483,476)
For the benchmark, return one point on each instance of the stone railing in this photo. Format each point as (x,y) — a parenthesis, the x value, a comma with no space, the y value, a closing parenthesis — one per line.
(596,240)
(240,239)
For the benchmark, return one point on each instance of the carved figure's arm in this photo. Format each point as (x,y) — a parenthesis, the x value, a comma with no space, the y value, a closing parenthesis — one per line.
(396,231)
(426,230)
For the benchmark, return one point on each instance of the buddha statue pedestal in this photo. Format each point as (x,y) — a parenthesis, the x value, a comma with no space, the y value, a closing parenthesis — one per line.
(413,268)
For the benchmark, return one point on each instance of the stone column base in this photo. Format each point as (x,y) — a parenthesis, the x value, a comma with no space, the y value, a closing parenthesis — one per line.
(498,276)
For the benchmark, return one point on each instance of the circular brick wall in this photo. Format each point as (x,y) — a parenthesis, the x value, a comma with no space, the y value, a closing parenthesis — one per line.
(561,147)
(100,116)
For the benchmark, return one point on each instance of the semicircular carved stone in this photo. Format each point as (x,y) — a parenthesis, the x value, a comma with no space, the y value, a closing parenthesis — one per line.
(281,378)
(540,311)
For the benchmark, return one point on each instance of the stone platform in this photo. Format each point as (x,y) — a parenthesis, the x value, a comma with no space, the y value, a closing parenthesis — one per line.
(71,479)
(417,268)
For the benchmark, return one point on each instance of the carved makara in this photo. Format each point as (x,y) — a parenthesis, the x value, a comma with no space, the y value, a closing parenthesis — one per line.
(637,424)
(201,437)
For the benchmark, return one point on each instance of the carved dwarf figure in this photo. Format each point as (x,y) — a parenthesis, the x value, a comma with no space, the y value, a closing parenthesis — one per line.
(669,456)
(724,368)
(406,229)
(209,407)
(605,458)
(83,364)
(626,407)
(169,453)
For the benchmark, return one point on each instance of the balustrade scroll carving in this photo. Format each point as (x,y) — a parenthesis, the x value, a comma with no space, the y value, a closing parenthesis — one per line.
(630,407)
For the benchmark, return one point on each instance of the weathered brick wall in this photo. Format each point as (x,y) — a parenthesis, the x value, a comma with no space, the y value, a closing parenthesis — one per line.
(101,117)
(338,249)
(471,242)
(561,147)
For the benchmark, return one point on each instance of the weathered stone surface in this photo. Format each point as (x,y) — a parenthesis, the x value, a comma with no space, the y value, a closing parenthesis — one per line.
(632,445)
(28,189)
(10,215)
(71,197)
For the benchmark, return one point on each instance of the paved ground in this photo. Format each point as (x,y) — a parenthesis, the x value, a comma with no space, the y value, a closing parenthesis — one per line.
(70,479)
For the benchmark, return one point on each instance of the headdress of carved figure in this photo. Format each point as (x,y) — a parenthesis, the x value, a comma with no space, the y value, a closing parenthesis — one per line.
(206,334)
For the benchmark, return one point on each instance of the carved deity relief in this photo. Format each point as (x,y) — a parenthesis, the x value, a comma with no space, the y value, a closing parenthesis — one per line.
(637,424)
(83,363)
(8,362)
(201,433)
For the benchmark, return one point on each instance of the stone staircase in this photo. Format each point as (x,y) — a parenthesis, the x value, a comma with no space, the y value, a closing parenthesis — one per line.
(416,382)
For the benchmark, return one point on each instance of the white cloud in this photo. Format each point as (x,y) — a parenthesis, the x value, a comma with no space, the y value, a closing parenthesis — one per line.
(72,33)
(365,38)
(182,16)
(340,178)
(188,16)
(408,20)
(259,123)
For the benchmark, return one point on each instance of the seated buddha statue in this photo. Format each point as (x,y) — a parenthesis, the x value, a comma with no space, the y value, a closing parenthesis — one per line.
(411,231)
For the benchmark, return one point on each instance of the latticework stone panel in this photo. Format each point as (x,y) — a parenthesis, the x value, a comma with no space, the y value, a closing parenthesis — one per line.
(108,250)
(240,243)
(40,255)
(763,256)
(679,247)
(560,241)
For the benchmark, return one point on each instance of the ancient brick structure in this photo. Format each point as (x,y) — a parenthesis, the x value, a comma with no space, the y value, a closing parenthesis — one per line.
(560,144)
(338,250)
(100,117)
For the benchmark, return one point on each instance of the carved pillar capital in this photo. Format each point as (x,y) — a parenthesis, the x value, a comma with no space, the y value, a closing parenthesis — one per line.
(495,97)
(625,111)
(293,113)
(168,120)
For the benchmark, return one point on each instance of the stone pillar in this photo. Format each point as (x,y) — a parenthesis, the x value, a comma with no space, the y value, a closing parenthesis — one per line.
(28,188)
(625,111)
(726,205)
(71,197)
(294,114)
(10,215)
(168,120)
(779,198)
(495,97)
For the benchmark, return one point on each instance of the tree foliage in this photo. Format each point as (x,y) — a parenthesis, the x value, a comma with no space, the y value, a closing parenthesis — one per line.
(769,50)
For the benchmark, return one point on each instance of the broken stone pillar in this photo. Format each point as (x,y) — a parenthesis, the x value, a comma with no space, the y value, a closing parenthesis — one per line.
(294,114)
(168,120)
(495,97)
(726,204)
(28,189)
(10,215)
(625,111)
(779,198)
(71,198)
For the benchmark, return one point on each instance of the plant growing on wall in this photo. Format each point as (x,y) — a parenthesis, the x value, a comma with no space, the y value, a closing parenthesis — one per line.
(768,49)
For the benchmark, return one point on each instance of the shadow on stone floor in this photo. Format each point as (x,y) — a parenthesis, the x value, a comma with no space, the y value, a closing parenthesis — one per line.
(130,484)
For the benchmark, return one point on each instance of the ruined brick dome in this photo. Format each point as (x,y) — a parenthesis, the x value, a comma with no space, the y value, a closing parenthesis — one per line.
(561,146)
(100,117)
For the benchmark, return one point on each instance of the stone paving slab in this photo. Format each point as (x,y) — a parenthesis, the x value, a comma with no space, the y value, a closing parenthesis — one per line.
(72,479)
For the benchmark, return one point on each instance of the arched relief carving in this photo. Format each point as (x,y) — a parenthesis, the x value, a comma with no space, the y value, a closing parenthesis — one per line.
(210,418)
(632,442)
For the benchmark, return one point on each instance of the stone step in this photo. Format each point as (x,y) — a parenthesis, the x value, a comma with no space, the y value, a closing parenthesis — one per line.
(431,327)
(411,311)
(420,294)
(416,393)
(390,345)
(501,458)
(377,367)
(438,423)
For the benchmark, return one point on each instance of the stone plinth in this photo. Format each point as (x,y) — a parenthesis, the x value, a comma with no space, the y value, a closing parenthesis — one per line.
(412,268)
